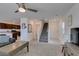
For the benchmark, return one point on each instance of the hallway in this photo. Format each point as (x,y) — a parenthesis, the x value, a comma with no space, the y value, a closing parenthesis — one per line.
(41,49)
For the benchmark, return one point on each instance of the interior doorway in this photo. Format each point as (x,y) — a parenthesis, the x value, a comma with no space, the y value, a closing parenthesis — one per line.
(44,33)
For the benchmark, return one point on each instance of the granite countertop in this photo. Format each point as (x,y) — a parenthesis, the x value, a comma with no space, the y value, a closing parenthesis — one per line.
(7,32)
(12,48)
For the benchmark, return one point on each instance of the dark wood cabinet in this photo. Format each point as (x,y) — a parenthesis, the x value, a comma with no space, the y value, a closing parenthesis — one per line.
(15,35)
(9,26)
(2,25)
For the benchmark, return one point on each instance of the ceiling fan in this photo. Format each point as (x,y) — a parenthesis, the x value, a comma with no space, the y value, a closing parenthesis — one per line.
(22,8)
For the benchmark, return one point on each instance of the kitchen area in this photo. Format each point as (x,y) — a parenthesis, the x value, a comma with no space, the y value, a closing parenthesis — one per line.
(9,31)
(10,42)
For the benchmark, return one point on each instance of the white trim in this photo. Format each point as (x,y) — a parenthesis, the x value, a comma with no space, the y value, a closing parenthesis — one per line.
(40,33)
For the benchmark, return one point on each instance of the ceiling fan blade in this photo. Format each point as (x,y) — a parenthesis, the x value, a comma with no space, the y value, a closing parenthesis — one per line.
(18,7)
(23,5)
(33,10)
(18,4)
(16,11)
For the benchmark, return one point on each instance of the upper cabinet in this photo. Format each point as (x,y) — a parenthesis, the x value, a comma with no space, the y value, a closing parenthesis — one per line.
(9,26)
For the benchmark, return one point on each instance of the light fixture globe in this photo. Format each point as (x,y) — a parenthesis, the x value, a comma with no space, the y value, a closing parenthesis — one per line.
(21,9)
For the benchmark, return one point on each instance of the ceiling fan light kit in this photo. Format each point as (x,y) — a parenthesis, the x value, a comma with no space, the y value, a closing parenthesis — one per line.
(21,9)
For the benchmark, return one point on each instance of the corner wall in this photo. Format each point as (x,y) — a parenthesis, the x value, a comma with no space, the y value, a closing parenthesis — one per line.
(36,28)
(75,20)
(24,29)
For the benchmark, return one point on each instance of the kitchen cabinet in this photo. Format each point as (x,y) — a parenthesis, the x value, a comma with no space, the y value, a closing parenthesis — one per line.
(9,26)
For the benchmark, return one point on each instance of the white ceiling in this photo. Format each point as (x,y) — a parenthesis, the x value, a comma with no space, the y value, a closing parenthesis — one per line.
(45,10)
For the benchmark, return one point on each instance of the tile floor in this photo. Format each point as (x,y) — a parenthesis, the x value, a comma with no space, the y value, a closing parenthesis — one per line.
(41,49)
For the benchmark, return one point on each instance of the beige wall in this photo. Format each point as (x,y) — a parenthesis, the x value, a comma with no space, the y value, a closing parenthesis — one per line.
(56,34)
(36,28)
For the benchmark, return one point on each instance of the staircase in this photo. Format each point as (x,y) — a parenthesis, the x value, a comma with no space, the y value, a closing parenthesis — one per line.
(44,34)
